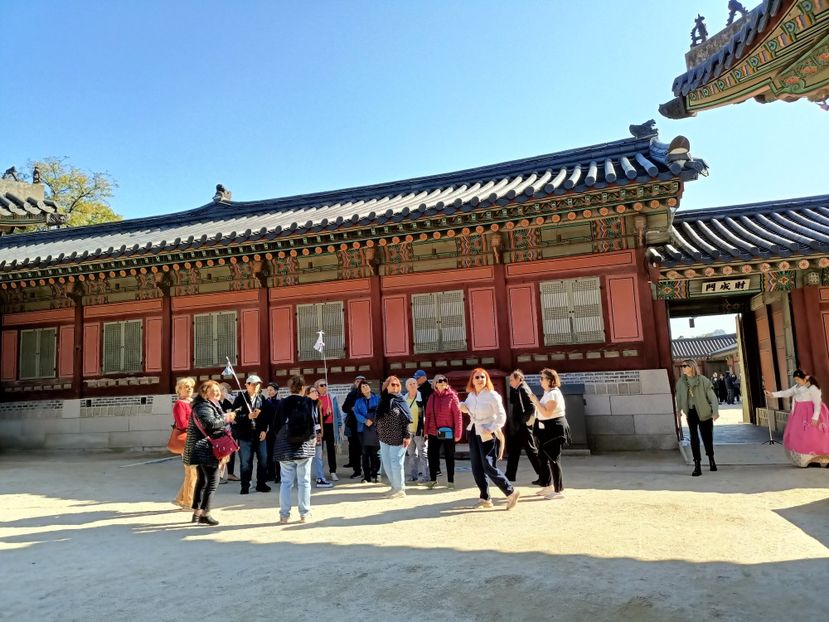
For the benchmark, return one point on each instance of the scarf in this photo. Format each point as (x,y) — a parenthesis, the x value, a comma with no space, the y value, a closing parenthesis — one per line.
(326,408)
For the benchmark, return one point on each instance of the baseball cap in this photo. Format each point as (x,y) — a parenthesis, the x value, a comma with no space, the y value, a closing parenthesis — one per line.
(253,379)
(420,374)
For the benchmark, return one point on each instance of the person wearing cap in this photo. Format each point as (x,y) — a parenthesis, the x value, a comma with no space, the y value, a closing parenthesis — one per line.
(423,385)
(355,449)
(251,434)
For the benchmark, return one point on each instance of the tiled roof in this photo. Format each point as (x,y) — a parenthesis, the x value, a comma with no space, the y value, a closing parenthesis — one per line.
(20,211)
(702,347)
(754,26)
(223,223)
(745,232)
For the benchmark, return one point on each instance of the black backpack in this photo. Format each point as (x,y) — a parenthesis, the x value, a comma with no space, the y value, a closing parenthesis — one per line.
(299,420)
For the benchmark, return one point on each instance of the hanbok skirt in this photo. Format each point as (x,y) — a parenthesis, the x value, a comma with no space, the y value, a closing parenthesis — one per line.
(803,442)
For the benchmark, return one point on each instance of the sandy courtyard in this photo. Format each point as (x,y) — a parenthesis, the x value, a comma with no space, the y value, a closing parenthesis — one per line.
(94,537)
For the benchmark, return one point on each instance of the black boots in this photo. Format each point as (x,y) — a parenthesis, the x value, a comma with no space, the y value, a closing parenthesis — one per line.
(712,466)
(206,519)
(697,469)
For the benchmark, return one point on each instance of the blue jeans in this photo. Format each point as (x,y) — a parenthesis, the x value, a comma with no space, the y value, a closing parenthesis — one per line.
(299,470)
(318,469)
(247,449)
(393,458)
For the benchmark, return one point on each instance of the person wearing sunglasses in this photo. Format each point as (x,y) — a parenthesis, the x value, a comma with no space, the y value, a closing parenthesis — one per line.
(695,398)
(552,433)
(443,425)
(332,420)
(806,438)
(393,421)
(486,418)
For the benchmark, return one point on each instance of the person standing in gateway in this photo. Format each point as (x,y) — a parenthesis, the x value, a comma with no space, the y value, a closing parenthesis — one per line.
(695,398)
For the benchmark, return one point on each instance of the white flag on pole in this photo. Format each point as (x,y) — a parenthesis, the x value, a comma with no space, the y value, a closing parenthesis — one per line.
(319,346)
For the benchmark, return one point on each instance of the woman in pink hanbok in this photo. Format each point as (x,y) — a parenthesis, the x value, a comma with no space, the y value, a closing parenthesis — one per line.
(806,438)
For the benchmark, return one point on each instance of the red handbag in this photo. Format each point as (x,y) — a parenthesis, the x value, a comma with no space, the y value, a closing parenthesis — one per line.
(223,446)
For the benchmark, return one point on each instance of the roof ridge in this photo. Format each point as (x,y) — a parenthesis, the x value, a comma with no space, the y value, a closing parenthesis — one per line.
(773,205)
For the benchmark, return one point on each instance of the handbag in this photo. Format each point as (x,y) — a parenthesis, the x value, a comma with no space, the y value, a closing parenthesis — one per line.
(446,433)
(223,446)
(370,436)
(175,444)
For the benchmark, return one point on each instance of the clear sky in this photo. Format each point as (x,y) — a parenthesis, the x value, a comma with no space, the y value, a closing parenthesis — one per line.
(276,98)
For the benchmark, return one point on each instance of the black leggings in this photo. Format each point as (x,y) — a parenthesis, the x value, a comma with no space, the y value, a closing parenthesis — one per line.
(706,430)
(207,481)
(433,454)
(328,439)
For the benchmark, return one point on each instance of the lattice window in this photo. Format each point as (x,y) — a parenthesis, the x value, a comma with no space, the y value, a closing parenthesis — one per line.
(214,339)
(123,347)
(439,322)
(38,350)
(323,316)
(572,311)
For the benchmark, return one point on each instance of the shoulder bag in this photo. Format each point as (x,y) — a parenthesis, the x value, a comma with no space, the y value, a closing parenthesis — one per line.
(223,446)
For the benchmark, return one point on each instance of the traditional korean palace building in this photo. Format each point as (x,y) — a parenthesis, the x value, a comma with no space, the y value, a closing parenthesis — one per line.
(538,262)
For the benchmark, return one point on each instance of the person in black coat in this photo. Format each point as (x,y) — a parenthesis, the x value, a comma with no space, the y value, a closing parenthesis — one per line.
(519,428)
(198,451)
(251,433)
(355,448)
(269,408)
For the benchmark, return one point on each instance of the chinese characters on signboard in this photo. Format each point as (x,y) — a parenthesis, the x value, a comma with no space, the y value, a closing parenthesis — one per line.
(723,287)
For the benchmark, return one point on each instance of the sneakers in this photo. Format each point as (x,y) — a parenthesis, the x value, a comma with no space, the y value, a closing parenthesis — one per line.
(263,488)
(547,490)
(396,494)
(376,480)
(483,504)
(283,520)
(431,485)
(554,495)
(322,483)
(364,481)
(355,475)
(333,477)
(513,499)
(451,485)
(233,478)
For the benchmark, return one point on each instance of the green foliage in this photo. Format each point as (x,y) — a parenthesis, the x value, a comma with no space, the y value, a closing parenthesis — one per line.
(82,195)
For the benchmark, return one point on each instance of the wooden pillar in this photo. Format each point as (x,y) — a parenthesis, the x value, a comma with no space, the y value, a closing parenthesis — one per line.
(167,382)
(77,350)
(264,335)
(503,359)
(378,360)
(810,331)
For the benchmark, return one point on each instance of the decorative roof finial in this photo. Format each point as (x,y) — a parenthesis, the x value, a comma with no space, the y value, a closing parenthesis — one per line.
(11,173)
(648,128)
(36,175)
(223,195)
(735,7)
(699,33)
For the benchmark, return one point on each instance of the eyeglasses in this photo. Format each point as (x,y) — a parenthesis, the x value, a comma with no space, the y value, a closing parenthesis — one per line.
(685,365)
(322,384)
(479,377)
(441,381)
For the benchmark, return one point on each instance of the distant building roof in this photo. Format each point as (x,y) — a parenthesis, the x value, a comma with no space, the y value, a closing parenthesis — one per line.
(22,204)
(223,222)
(753,231)
(702,347)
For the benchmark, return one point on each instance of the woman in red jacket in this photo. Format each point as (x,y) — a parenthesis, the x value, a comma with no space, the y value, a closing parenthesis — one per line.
(181,416)
(443,426)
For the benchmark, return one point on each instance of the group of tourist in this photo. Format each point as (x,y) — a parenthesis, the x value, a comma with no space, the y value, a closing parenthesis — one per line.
(726,387)
(805,439)
(411,422)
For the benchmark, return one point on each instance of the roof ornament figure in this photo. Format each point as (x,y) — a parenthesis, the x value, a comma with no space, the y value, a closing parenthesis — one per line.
(11,173)
(699,33)
(824,105)
(735,7)
(36,179)
(648,128)
(223,195)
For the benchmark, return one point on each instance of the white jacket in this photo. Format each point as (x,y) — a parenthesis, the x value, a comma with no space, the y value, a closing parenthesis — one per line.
(803,393)
(486,411)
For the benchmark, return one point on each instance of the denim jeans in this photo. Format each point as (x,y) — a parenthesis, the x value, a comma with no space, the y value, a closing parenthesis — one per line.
(247,449)
(483,458)
(318,467)
(418,467)
(393,458)
(299,470)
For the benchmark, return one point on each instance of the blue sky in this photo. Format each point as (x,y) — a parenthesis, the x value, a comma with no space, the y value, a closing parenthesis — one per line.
(276,98)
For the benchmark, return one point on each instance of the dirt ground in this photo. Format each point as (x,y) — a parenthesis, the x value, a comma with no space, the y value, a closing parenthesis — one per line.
(93,537)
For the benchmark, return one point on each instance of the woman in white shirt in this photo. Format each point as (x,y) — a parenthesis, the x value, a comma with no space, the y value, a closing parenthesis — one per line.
(806,438)
(552,432)
(486,418)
